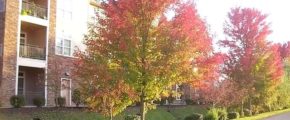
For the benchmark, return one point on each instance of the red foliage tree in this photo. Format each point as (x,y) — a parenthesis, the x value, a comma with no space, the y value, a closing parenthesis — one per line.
(253,64)
(284,50)
(147,51)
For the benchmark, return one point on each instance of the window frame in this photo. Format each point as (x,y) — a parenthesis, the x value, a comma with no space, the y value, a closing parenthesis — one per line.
(62,46)
(24,82)
(70,88)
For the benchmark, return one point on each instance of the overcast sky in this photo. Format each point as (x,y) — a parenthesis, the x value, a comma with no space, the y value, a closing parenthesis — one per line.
(215,13)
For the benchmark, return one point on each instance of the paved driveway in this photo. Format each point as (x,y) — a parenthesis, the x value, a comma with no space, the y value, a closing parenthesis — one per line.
(283,116)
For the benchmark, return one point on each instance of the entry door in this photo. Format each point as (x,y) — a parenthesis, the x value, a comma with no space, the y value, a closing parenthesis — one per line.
(66,90)
(23,42)
(21,83)
(23,38)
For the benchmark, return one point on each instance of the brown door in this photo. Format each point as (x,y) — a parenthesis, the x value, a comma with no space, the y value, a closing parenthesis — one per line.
(65,91)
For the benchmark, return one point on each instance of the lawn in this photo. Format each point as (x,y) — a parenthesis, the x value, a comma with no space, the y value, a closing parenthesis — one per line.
(161,113)
(265,115)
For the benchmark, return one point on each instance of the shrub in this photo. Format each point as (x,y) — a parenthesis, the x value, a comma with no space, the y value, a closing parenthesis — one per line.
(222,114)
(39,102)
(194,116)
(17,101)
(132,117)
(162,101)
(189,101)
(212,114)
(170,99)
(60,101)
(247,112)
(76,97)
(233,115)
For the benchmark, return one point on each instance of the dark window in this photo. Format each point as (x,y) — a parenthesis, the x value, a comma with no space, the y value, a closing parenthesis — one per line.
(2,5)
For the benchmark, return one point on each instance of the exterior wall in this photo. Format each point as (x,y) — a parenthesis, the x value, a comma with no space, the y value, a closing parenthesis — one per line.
(9,26)
(51,39)
(9,51)
(36,35)
(61,67)
(64,64)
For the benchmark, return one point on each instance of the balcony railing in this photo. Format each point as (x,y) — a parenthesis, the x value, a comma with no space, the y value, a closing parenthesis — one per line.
(29,96)
(33,9)
(30,51)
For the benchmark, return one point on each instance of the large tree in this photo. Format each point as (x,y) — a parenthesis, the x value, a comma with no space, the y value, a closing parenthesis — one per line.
(253,64)
(135,44)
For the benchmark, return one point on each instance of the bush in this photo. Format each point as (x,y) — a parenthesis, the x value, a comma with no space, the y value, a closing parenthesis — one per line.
(161,102)
(194,116)
(133,117)
(17,101)
(247,112)
(76,97)
(60,101)
(189,101)
(170,99)
(233,115)
(222,114)
(39,102)
(212,114)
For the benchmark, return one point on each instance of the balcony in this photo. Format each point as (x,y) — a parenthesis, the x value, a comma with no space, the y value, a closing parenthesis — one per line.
(31,83)
(31,51)
(34,9)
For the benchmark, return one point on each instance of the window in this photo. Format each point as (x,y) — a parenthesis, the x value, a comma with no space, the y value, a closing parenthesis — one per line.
(21,83)
(2,5)
(22,38)
(64,10)
(64,14)
(64,46)
(177,90)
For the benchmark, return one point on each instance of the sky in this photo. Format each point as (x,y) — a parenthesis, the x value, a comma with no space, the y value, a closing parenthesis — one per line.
(215,13)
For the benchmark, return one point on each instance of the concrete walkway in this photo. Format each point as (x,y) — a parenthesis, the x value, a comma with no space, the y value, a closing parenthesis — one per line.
(283,116)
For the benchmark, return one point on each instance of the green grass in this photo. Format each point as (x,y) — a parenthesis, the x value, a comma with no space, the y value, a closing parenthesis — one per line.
(265,115)
(181,113)
(161,113)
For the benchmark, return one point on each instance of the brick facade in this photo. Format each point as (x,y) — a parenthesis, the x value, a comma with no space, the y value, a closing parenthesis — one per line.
(8,61)
(9,51)
(64,63)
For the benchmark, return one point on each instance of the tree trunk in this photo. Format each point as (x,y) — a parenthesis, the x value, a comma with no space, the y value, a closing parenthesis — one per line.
(142,107)
(242,109)
(250,106)
(168,107)
(111,114)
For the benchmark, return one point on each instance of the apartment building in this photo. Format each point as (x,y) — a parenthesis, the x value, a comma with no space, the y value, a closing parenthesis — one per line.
(37,41)
(38,37)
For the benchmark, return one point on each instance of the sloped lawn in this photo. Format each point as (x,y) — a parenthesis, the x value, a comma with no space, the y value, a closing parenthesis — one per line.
(161,113)
(265,115)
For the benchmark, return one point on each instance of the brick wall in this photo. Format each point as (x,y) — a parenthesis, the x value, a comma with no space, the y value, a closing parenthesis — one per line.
(9,51)
(59,65)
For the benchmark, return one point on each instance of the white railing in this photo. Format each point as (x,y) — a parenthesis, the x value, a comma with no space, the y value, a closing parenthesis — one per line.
(33,9)
(29,96)
(31,51)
